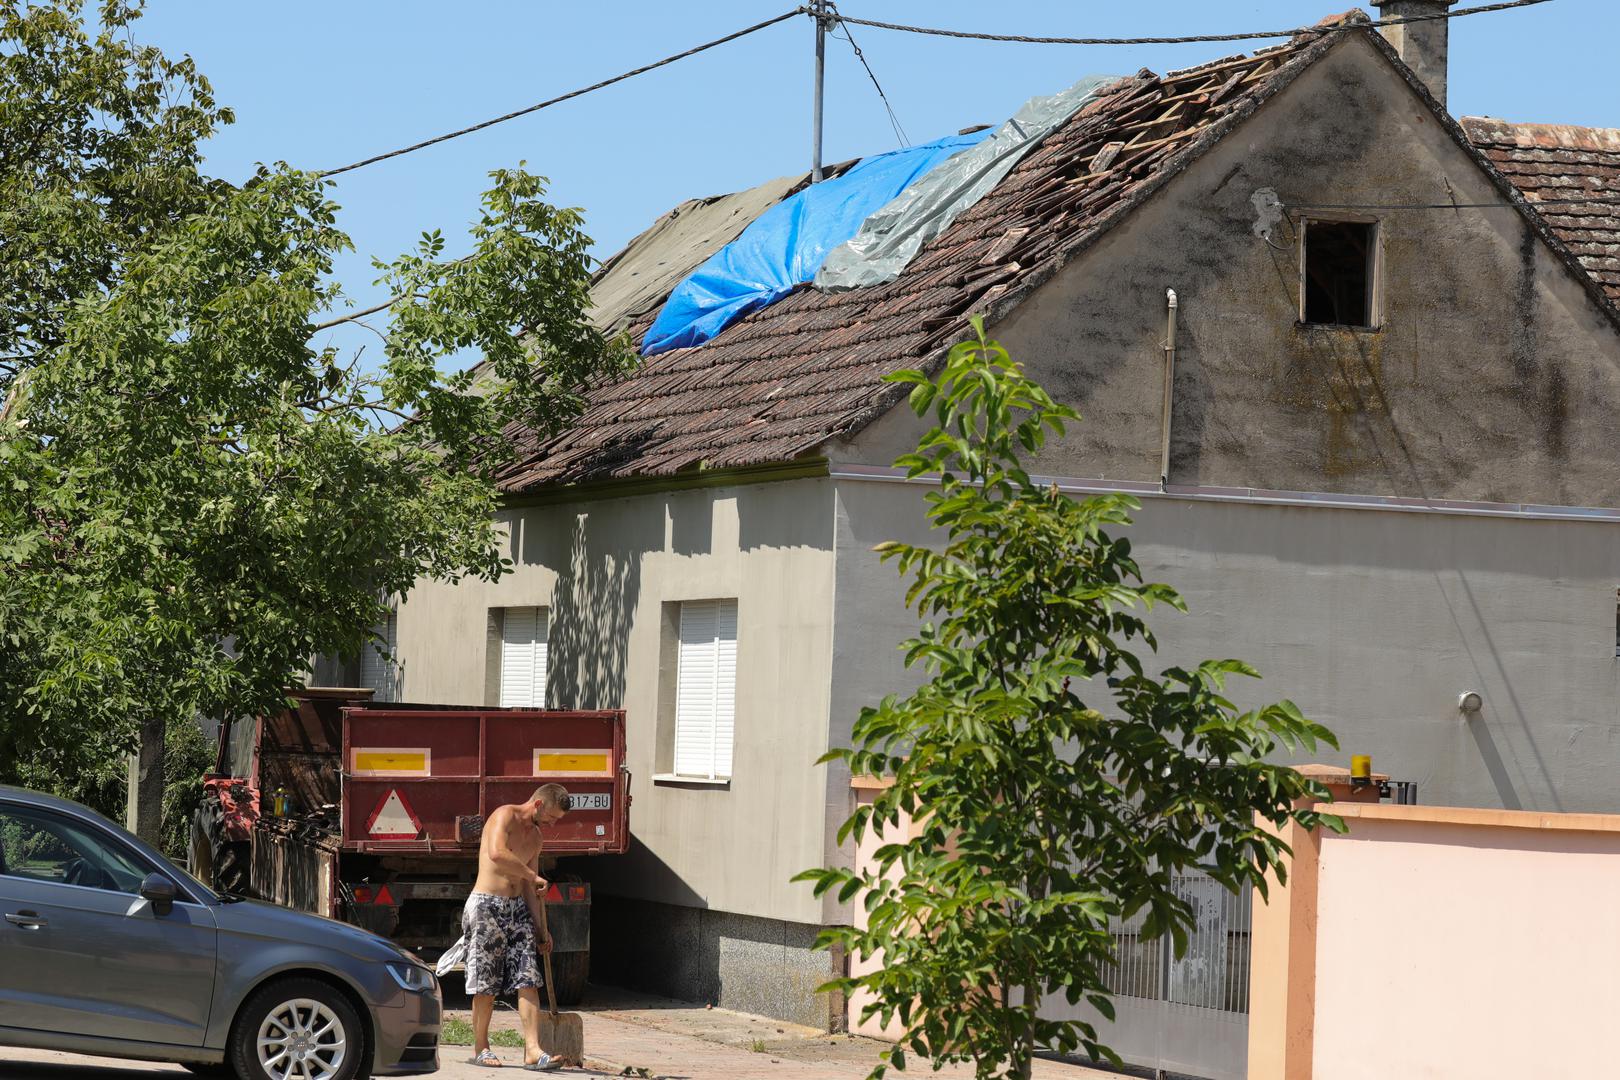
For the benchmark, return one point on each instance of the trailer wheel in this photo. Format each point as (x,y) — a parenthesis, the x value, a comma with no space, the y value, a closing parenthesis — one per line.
(297,1028)
(570,970)
(217,862)
(200,855)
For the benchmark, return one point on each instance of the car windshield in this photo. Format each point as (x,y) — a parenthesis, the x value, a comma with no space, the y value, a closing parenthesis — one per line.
(185,877)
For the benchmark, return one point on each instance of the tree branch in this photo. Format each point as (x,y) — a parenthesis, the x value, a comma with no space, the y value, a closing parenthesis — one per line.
(356,316)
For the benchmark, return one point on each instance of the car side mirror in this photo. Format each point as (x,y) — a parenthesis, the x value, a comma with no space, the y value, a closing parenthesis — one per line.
(160,891)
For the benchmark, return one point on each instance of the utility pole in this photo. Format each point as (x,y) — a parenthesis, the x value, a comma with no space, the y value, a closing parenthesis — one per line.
(820,10)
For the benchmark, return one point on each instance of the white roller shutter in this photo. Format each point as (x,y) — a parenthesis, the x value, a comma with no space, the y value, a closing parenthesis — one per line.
(706,688)
(377,671)
(523,658)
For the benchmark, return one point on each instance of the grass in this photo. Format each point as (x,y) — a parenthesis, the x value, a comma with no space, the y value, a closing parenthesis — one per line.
(758,1046)
(458,1032)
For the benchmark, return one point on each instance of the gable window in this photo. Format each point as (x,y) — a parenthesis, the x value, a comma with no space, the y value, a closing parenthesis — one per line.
(377,671)
(1339,267)
(524,637)
(706,688)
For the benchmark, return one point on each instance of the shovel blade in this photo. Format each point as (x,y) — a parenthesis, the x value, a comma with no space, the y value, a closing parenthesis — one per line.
(562,1035)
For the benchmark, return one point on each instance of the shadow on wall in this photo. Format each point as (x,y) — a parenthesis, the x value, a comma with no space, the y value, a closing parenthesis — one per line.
(753,965)
(598,556)
(786,516)
(641,872)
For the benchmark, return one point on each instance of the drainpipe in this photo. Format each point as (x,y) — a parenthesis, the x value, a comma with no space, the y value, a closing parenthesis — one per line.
(1169,383)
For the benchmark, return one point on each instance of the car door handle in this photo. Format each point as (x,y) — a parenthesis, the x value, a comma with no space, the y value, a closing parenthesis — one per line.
(28,920)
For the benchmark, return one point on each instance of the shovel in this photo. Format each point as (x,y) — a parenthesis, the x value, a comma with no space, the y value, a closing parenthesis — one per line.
(562,1035)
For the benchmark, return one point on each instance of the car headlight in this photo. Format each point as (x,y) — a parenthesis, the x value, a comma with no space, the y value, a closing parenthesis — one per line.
(413,978)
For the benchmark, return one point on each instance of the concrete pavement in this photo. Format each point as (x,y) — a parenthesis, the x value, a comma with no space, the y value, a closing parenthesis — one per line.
(650,1037)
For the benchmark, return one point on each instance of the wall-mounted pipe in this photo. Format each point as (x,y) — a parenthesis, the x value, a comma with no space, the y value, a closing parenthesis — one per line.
(1169,384)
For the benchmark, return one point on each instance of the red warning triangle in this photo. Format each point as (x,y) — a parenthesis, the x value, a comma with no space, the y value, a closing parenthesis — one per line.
(393,819)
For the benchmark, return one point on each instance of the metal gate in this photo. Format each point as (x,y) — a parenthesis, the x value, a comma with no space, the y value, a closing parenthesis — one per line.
(1189,1014)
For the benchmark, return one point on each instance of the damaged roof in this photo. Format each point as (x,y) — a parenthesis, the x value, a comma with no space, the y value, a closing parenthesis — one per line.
(631,286)
(1556,166)
(784,380)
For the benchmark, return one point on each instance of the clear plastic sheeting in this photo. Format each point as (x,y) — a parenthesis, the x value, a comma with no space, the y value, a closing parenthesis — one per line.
(784,247)
(893,235)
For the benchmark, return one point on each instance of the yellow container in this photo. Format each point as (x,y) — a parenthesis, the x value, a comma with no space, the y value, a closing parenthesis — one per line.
(1361,767)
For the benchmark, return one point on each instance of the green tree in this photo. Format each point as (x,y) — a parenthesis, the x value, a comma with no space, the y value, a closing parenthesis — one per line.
(195,497)
(1056,782)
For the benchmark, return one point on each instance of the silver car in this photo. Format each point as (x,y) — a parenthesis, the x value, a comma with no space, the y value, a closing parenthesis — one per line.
(107,948)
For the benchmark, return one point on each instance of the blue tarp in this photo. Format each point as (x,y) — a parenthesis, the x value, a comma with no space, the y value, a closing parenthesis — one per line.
(892,237)
(785,246)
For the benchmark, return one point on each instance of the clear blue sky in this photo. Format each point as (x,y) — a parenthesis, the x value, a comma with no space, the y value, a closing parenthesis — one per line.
(322,84)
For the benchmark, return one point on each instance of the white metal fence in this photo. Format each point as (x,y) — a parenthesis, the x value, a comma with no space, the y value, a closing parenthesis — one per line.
(1213,973)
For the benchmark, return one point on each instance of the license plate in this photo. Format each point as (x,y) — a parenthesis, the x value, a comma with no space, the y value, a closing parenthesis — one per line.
(593,801)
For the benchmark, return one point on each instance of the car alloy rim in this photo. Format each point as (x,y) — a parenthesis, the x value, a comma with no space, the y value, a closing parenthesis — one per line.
(302,1039)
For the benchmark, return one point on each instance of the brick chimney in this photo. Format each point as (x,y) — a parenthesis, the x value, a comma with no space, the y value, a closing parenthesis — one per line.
(1421,44)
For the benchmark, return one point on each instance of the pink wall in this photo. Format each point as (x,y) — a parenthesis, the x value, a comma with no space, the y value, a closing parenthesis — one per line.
(1475,944)
(866,789)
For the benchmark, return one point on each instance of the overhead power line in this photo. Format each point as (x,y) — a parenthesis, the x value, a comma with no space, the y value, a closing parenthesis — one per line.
(839,17)
(563,97)
(1592,200)
(894,120)
(1191,39)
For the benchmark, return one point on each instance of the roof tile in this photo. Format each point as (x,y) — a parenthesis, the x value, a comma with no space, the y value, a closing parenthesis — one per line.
(1563,162)
(782,381)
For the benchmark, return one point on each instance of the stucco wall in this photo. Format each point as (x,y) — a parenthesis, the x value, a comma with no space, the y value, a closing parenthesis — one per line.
(1435,950)
(1373,621)
(1481,952)
(1493,376)
(605,569)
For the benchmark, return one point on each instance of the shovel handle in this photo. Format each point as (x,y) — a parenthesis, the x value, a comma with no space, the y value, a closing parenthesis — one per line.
(545,957)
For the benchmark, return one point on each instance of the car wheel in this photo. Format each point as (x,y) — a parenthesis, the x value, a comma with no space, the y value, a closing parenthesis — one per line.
(297,1029)
(570,970)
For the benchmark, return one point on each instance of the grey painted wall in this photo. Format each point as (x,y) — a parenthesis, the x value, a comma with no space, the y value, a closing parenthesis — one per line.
(763,966)
(606,569)
(1494,375)
(1372,621)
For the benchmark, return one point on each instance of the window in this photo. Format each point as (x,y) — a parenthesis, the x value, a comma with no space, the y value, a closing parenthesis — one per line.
(524,632)
(706,688)
(1339,268)
(379,672)
(44,847)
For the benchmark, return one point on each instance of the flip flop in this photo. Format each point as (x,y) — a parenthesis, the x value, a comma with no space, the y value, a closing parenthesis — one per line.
(545,1064)
(486,1059)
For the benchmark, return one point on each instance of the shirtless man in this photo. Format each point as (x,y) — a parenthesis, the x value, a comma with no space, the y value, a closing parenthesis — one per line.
(503,923)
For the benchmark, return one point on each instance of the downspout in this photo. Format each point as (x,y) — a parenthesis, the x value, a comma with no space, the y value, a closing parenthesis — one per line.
(1169,383)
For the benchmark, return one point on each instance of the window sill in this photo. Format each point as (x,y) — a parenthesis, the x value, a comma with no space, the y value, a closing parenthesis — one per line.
(1352,328)
(677,780)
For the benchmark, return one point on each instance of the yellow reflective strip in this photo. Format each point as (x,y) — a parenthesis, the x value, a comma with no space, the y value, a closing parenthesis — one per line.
(383,761)
(569,763)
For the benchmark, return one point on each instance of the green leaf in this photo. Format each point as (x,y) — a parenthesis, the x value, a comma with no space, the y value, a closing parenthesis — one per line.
(1031,817)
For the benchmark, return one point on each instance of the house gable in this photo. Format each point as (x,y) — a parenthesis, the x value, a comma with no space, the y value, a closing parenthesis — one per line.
(778,384)
(1491,377)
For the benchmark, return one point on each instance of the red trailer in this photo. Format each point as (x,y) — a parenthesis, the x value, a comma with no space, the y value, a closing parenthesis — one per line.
(372,813)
